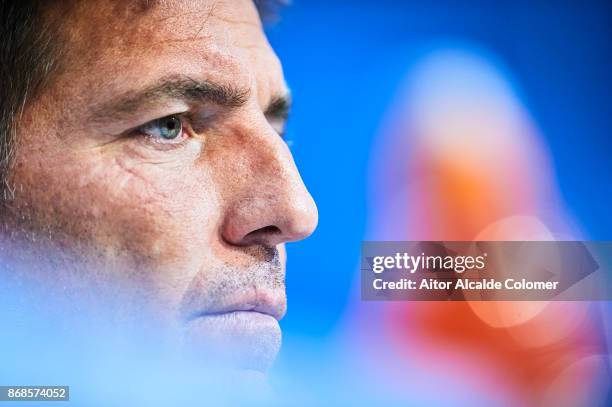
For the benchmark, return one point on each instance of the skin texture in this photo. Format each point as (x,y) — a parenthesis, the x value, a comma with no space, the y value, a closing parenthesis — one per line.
(174,230)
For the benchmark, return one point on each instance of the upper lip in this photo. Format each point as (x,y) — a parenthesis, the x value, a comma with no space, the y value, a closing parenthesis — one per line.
(266,301)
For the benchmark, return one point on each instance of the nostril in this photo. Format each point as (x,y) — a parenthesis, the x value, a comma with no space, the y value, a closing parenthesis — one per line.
(266,231)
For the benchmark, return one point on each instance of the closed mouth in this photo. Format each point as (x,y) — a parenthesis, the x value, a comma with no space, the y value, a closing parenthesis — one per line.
(262,301)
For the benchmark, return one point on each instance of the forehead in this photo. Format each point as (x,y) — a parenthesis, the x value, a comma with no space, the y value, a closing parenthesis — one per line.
(121,43)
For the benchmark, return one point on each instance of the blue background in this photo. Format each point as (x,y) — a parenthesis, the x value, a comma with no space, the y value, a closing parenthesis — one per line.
(344,61)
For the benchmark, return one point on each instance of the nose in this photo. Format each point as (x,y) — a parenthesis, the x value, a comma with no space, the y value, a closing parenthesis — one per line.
(269,203)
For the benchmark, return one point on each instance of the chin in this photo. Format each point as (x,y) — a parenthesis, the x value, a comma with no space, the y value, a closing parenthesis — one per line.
(244,340)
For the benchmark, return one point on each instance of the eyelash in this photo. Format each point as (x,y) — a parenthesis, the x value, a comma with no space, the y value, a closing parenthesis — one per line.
(185,127)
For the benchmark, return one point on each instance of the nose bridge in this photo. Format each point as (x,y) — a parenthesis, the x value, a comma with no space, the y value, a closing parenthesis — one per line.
(267,165)
(269,201)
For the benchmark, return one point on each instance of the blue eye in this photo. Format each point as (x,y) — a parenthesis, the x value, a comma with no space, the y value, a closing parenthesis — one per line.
(167,128)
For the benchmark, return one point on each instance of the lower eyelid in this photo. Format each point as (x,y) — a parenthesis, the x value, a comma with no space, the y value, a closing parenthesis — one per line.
(159,143)
(155,145)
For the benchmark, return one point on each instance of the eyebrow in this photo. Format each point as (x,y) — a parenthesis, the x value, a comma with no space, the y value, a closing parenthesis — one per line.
(172,88)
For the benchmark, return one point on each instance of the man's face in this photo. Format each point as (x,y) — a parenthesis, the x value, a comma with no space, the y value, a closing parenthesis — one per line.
(155,162)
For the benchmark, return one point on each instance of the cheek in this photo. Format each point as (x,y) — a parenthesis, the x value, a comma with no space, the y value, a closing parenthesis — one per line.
(177,207)
(150,212)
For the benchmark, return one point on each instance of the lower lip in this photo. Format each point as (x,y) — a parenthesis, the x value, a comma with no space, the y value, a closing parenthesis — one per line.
(236,319)
(247,339)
